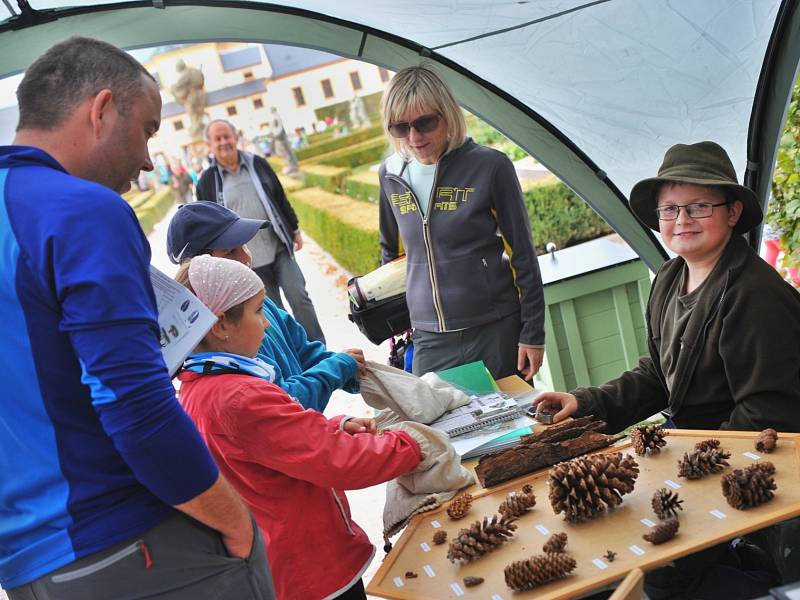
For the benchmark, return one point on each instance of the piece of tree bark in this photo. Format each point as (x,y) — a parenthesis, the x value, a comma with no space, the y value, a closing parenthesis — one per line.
(543,450)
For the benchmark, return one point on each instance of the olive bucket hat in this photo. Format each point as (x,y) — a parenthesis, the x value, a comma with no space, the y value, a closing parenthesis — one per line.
(704,163)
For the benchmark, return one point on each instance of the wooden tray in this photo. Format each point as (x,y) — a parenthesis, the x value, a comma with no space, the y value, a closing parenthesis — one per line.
(618,529)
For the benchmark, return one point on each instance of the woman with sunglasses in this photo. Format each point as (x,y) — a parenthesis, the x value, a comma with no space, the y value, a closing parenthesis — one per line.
(455,208)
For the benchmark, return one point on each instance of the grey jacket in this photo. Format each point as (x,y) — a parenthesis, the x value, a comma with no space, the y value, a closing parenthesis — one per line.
(458,275)
(739,365)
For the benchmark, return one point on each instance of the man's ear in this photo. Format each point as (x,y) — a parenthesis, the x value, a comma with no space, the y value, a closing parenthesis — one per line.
(735,209)
(100,112)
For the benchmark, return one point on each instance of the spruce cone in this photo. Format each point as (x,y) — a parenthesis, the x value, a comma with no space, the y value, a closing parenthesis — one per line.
(556,543)
(700,463)
(666,503)
(460,506)
(471,581)
(516,505)
(707,445)
(480,537)
(751,486)
(527,488)
(663,532)
(524,575)
(583,486)
(440,537)
(767,440)
(648,438)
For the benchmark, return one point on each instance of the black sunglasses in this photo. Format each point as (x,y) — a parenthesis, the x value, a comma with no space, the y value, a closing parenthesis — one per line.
(424,124)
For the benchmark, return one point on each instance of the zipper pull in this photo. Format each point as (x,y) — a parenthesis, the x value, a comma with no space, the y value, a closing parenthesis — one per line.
(147,560)
(485,264)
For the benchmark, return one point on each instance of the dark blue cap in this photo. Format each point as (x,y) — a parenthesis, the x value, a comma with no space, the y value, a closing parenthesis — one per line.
(200,227)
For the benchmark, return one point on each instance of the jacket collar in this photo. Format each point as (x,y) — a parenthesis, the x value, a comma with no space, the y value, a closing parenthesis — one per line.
(397,163)
(26,156)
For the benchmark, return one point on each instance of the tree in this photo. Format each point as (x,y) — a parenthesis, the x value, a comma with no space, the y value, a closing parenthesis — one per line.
(783,212)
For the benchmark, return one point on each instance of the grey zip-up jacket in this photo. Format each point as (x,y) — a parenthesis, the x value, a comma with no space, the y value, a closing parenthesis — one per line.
(471,260)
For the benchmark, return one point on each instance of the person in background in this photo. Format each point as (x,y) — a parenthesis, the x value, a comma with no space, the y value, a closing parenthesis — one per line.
(247,184)
(110,491)
(474,290)
(303,368)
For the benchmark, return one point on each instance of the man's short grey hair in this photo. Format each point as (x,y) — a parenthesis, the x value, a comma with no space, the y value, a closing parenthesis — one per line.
(228,123)
(71,72)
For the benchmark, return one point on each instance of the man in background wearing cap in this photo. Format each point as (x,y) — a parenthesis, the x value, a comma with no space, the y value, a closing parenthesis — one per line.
(246,184)
(303,368)
(723,327)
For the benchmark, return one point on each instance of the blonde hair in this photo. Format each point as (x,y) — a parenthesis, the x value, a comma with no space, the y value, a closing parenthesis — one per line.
(420,89)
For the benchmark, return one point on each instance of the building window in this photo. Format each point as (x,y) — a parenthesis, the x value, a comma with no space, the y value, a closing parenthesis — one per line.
(248,75)
(384,74)
(299,98)
(355,79)
(327,88)
(258,103)
(231,110)
(178,125)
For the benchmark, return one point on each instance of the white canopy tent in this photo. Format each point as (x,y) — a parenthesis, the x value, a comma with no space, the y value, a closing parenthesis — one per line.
(595,90)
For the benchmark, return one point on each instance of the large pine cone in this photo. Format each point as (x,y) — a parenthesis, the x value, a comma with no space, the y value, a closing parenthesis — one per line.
(583,486)
(516,505)
(524,575)
(648,438)
(480,537)
(767,440)
(666,503)
(751,486)
(699,463)
(707,445)
(556,543)
(460,506)
(663,532)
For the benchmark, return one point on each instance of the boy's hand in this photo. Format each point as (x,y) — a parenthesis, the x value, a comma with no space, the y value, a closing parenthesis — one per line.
(565,404)
(360,425)
(358,355)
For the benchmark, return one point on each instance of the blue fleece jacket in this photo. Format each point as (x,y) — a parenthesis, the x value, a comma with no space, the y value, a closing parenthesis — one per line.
(305,370)
(94,447)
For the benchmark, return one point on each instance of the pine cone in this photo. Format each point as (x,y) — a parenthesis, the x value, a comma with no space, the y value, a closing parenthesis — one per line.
(516,505)
(700,463)
(471,581)
(527,488)
(524,575)
(460,506)
(440,537)
(480,537)
(583,486)
(767,440)
(751,486)
(666,503)
(663,532)
(648,438)
(610,555)
(556,543)
(707,445)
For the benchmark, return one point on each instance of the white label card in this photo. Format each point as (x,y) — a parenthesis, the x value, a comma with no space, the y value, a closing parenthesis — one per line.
(429,571)
(718,513)
(457,589)
(636,550)
(497,597)
(435,524)
(543,530)
(398,582)
(425,547)
(599,564)
(752,455)
(673,484)
(648,522)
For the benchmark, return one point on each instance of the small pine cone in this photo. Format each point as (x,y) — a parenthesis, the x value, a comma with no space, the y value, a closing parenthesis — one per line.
(610,555)
(699,463)
(470,581)
(583,487)
(648,439)
(663,532)
(556,543)
(516,505)
(666,503)
(767,440)
(440,537)
(707,445)
(527,488)
(751,486)
(524,575)
(460,506)
(480,537)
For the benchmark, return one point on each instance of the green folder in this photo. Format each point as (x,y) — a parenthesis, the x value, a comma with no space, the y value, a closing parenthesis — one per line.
(473,378)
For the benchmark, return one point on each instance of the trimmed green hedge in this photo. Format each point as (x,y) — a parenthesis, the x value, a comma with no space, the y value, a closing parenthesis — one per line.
(153,210)
(330,179)
(365,153)
(364,187)
(345,228)
(558,215)
(335,143)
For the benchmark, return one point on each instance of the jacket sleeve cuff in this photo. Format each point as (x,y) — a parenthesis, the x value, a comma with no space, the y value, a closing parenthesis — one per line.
(521,345)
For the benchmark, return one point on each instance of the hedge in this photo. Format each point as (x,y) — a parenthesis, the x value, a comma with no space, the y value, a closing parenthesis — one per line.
(558,215)
(154,209)
(345,228)
(365,153)
(331,179)
(335,143)
(363,186)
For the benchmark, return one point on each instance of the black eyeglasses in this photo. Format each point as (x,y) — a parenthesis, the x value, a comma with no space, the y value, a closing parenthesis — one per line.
(424,124)
(699,210)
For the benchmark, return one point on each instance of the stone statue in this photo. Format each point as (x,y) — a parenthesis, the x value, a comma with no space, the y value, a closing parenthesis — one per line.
(190,92)
(282,145)
(358,113)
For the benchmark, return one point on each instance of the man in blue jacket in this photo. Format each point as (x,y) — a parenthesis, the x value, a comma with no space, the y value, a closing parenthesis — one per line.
(303,368)
(96,452)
